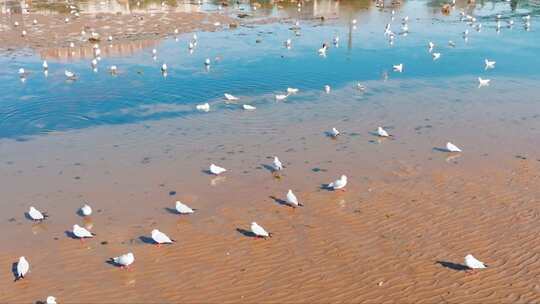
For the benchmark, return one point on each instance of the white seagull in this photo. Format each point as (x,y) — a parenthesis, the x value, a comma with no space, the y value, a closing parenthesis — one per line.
(70,75)
(281,97)
(45,65)
(124,260)
(216,170)
(205,107)
(86,210)
(382,132)
(489,64)
(207,62)
(327,89)
(334,132)
(292,200)
(113,69)
(483,82)
(339,183)
(431,45)
(161,238)
(259,231)
(50,300)
(36,215)
(474,263)
(22,72)
(436,56)
(398,67)
(81,233)
(164,67)
(183,208)
(230,97)
(292,90)
(22,268)
(450,147)
(248,107)
(276,165)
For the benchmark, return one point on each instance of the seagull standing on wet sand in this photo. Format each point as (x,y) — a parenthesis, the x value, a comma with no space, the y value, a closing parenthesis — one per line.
(205,107)
(81,233)
(22,268)
(338,184)
(334,132)
(276,165)
(230,97)
(259,231)
(450,147)
(473,263)
(36,215)
(292,199)
(161,238)
(216,170)
(86,210)
(382,132)
(183,208)
(124,260)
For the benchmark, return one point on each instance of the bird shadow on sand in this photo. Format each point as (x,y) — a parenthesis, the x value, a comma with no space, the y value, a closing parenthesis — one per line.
(207,172)
(268,167)
(326,187)
(453,266)
(330,134)
(439,149)
(245,232)
(171,211)
(14,271)
(112,263)
(70,235)
(147,240)
(280,201)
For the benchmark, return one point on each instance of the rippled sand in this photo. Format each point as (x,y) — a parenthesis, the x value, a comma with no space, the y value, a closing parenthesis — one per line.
(398,234)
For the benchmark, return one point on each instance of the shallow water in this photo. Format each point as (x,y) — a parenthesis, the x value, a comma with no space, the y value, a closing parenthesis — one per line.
(252,63)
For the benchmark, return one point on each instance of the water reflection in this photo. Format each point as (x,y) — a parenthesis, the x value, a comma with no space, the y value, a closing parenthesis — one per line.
(116,49)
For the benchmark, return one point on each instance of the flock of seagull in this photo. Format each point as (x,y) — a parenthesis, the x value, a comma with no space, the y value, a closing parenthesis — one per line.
(159,238)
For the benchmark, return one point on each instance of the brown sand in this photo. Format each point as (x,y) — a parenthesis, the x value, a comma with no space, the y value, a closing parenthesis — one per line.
(409,214)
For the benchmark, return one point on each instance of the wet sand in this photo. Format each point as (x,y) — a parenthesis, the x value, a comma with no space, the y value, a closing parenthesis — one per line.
(398,234)
(52,31)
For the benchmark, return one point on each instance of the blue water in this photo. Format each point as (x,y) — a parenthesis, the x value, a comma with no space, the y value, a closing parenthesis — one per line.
(257,70)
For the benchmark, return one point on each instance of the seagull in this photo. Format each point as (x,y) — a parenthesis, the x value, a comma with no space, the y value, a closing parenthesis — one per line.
(361,87)
(334,133)
(216,170)
(465,33)
(113,69)
(86,210)
(336,40)
(45,65)
(50,300)
(322,50)
(207,62)
(81,233)
(474,263)
(276,165)
(292,90)
(124,260)
(205,107)
(161,238)
(109,38)
(70,75)
(259,231)
(191,45)
(382,132)
(154,52)
(327,89)
(36,215)
(288,43)
(281,97)
(230,97)
(339,183)
(451,43)
(292,200)
(450,147)
(22,72)
(489,64)
(23,33)
(183,208)
(398,67)
(431,45)
(22,268)
(248,107)
(164,68)
(436,56)
(526,18)
(483,82)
